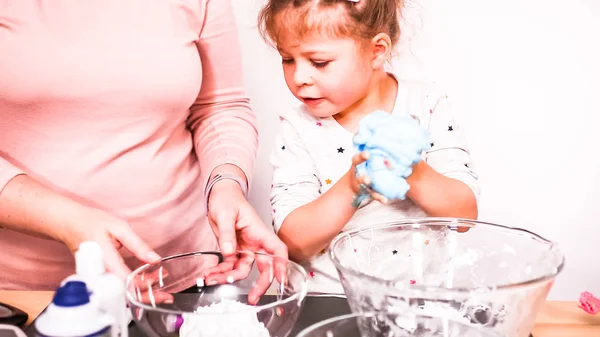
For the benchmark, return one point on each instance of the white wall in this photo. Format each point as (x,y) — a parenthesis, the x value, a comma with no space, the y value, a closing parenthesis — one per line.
(523,74)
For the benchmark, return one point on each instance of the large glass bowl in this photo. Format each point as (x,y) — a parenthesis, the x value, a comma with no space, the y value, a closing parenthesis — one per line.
(174,297)
(478,273)
(388,324)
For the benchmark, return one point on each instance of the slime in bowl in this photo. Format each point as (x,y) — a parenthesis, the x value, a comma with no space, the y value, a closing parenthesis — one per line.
(389,324)
(491,276)
(173,297)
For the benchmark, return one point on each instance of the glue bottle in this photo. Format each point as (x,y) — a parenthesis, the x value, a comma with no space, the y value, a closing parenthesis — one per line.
(107,290)
(71,314)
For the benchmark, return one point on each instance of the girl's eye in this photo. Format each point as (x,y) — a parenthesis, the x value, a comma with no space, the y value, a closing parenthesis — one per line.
(287,61)
(320,64)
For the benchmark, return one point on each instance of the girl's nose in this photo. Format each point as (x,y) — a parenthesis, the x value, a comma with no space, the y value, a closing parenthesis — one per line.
(303,75)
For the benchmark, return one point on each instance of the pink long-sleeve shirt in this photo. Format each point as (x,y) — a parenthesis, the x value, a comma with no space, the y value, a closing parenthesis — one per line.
(126,105)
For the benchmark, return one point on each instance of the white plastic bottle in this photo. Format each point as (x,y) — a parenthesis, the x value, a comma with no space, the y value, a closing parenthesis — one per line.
(71,314)
(107,290)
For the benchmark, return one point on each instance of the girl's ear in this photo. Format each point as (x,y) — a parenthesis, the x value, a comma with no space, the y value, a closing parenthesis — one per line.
(381,45)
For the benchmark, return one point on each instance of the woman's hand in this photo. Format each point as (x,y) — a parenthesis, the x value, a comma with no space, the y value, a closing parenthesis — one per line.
(237,226)
(29,207)
(111,233)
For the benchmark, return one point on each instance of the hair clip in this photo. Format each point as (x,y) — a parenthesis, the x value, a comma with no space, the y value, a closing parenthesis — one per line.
(354,0)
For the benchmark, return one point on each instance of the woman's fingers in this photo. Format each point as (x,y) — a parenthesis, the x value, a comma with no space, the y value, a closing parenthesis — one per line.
(224,223)
(132,242)
(232,270)
(112,259)
(265,265)
(279,264)
(223,267)
(153,297)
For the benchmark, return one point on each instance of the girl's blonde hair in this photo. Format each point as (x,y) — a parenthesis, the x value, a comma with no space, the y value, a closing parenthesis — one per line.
(361,19)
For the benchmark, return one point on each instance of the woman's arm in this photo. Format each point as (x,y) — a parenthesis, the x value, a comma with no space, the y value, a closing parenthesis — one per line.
(221,120)
(29,207)
(7,172)
(225,136)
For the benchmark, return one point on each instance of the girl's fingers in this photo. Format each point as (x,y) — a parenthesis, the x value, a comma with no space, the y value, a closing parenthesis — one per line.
(364,180)
(360,158)
(379,197)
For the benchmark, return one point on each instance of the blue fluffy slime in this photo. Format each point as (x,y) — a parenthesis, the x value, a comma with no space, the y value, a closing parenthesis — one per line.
(391,140)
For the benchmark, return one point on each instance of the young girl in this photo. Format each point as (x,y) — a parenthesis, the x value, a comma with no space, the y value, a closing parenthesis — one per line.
(333,55)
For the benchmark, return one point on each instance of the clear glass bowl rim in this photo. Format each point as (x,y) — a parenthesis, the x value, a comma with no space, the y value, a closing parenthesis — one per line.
(345,317)
(445,222)
(298,296)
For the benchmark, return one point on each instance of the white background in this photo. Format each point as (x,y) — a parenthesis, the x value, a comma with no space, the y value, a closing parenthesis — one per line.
(524,75)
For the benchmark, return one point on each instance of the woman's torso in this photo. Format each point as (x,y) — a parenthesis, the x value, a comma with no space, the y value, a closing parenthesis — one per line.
(94,96)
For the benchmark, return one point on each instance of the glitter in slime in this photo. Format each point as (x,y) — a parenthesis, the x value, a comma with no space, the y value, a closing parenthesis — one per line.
(395,143)
(226,318)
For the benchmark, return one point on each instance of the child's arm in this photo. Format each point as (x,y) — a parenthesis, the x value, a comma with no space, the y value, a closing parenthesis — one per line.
(439,195)
(310,228)
(305,219)
(445,184)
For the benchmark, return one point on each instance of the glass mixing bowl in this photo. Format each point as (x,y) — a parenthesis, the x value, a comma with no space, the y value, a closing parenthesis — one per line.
(478,273)
(202,294)
(387,324)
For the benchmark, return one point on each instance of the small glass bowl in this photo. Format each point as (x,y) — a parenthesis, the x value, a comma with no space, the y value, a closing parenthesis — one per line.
(171,297)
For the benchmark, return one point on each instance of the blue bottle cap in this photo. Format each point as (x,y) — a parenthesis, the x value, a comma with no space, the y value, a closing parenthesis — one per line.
(72,294)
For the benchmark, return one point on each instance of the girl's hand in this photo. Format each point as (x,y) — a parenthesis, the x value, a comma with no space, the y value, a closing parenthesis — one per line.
(360,182)
(111,233)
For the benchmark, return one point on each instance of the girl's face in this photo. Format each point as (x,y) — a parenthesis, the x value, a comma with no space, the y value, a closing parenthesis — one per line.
(328,75)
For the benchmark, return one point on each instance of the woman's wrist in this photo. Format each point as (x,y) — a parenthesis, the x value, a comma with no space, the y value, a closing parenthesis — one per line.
(229,169)
(228,179)
(226,186)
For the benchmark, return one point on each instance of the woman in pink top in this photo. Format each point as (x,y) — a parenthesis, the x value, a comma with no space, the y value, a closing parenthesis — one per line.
(115,115)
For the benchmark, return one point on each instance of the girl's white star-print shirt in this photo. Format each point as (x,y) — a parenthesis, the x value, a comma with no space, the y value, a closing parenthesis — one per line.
(311,154)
